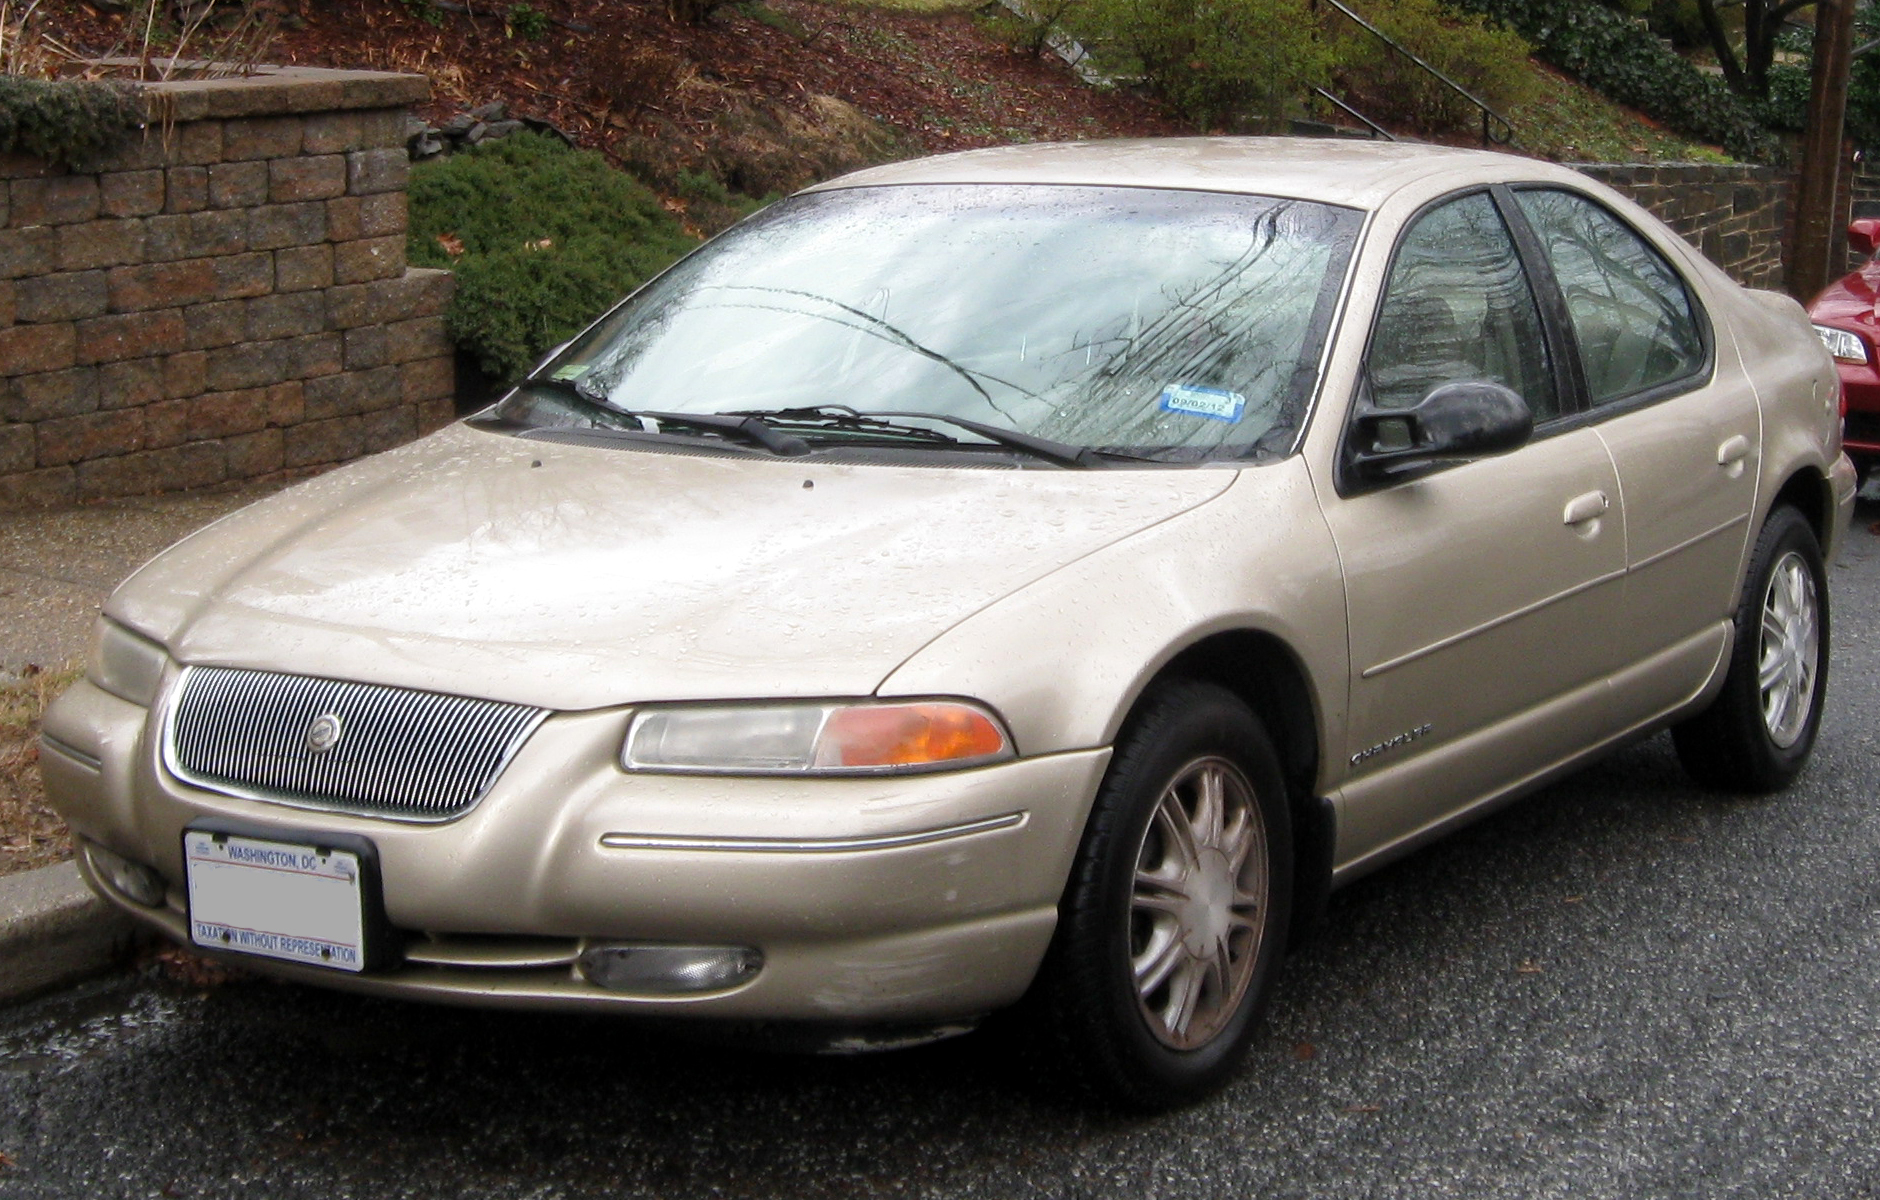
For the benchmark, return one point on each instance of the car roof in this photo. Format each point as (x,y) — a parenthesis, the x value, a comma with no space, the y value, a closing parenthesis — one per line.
(1360,174)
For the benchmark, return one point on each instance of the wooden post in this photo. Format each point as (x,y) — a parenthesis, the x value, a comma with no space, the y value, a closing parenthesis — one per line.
(1817,229)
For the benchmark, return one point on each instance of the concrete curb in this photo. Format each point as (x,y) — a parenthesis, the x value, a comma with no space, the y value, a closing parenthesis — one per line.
(54,931)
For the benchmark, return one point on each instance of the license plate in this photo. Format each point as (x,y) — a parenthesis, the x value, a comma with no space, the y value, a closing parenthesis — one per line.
(294,901)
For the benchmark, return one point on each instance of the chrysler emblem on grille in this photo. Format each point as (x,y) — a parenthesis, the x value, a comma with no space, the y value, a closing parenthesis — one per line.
(324,733)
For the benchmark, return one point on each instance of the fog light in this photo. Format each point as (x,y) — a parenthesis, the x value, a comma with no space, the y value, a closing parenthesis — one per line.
(669,970)
(128,878)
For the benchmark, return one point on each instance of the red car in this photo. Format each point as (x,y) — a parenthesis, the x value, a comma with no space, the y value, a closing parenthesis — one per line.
(1845,317)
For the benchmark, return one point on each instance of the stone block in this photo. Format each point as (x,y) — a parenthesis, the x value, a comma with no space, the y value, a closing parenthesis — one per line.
(94,435)
(381,128)
(334,133)
(368,259)
(197,235)
(292,314)
(323,442)
(130,384)
(27,251)
(24,166)
(65,296)
(433,415)
(390,427)
(260,137)
(9,302)
(54,200)
(40,397)
(313,356)
(253,454)
(55,487)
(131,193)
(234,368)
(186,189)
(238,276)
(239,184)
(131,335)
(29,349)
(17,452)
(351,393)
(420,292)
(428,379)
(299,268)
(223,414)
(209,326)
(316,177)
(193,144)
(166,423)
(370,346)
(382,214)
(370,171)
(196,464)
(106,243)
(274,226)
(162,285)
(186,374)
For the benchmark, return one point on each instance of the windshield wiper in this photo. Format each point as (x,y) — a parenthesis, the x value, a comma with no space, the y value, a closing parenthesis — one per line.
(748,426)
(841,416)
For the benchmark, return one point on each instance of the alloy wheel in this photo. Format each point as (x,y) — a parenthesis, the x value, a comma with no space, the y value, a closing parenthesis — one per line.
(1790,650)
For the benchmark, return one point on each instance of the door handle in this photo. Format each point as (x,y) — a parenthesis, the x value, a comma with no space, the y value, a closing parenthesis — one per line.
(1582,509)
(1733,451)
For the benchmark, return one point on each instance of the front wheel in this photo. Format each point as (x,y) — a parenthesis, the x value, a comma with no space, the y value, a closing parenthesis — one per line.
(1177,909)
(1758,732)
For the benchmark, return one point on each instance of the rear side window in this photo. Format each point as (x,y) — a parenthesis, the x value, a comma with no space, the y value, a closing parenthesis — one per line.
(1632,315)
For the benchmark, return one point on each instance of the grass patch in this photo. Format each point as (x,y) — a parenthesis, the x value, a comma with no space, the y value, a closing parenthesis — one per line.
(920,6)
(31,835)
(1572,123)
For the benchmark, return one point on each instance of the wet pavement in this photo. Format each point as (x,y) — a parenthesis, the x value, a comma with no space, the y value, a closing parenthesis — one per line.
(1622,987)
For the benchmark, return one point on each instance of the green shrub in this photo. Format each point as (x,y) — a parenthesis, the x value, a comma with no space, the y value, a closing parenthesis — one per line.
(1488,61)
(1214,60)
(542,239)
(527,21)
(1618,55)
(63,120)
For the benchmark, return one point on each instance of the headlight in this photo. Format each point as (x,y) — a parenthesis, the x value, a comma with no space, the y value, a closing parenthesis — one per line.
(124,664)
(835,738)
(1845,346)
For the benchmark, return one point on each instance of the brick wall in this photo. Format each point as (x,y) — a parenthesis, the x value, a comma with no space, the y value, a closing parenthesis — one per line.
(1737,215)
(223,298)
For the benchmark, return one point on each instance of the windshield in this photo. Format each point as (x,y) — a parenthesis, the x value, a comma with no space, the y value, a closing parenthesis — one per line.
(1161,324)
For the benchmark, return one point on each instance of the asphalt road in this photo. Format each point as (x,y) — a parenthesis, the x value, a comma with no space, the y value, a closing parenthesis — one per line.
(1621,987)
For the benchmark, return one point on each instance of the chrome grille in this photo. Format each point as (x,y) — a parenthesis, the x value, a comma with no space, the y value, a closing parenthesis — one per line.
(400,752)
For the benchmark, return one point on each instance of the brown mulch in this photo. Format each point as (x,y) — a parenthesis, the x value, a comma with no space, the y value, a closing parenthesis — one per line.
(31,835)
(942,80)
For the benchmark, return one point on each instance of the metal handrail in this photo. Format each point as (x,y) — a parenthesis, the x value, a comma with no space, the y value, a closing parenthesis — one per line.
(1376,129)
(1489,115)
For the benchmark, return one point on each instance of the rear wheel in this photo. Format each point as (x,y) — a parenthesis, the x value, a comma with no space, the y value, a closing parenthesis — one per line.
(1759,731)
(1177,908)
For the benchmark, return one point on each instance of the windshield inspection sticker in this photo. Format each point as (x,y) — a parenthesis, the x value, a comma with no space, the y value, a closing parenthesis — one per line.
(1216,404)
(571,371)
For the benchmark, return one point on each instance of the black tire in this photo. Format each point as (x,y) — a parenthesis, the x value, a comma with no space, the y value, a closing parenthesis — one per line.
(1127,1046)
(1748,740)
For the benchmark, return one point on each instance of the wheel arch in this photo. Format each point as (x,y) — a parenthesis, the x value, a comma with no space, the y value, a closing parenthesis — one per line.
(1810,492)
(1261,670)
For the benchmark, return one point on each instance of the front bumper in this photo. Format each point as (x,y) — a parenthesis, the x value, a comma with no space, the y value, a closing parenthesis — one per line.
(873,900)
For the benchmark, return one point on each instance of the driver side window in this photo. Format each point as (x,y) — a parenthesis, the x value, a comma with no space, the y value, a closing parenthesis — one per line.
(1459,307)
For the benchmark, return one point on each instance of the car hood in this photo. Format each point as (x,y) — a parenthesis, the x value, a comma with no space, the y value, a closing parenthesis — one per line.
(574,577)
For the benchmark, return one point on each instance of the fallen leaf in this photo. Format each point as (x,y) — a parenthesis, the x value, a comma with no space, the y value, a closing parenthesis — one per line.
(1361,1108)
(6,1160)
(453,245)
(1528,967)
(1305,1052)
(1573,899)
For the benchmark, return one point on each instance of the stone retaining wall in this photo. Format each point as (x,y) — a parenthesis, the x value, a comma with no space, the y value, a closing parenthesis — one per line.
(1737,215)
(224,298)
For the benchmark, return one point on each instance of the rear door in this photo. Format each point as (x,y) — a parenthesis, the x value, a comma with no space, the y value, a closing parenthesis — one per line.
(1684,432)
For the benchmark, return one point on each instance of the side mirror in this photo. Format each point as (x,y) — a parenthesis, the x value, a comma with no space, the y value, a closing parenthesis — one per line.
(1455,421)
(1863,236)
